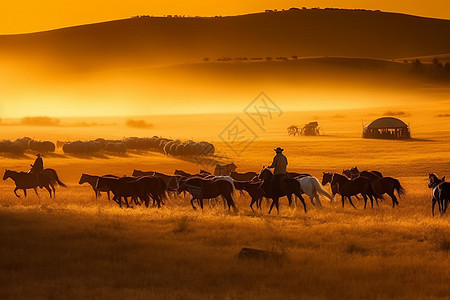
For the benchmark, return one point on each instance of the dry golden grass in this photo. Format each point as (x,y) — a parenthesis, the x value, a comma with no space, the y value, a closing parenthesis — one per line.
(76,247)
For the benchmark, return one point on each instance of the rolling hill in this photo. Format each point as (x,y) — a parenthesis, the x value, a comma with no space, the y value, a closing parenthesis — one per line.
(151,41)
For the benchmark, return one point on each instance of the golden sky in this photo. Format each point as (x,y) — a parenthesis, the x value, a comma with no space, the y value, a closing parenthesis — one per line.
(19,16)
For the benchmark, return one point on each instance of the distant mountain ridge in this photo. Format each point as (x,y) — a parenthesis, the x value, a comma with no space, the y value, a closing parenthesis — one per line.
(152,41)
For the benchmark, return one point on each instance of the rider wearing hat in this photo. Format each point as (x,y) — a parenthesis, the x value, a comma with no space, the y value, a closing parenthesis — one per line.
(279,165)
(38,165)
(279,162)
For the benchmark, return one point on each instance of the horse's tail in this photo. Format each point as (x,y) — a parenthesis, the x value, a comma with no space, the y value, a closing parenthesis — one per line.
(373,192)
(231,181)
(400,190)
(320,190)
(54,176)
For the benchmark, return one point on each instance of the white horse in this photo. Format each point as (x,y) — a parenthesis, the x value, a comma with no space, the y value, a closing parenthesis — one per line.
(311,187)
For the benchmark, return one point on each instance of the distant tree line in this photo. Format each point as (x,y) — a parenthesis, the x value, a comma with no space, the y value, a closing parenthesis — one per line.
(268,58)
(435,70)
(267,11)
(318,8)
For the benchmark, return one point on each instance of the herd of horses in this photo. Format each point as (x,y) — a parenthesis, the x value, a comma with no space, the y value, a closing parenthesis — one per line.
(145,187)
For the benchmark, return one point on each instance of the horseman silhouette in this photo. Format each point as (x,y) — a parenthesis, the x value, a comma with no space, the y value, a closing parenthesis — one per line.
(279,165)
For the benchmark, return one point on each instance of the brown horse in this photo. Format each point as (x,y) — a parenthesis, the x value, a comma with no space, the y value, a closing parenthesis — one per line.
(92,181)
(354,172)
(277,186)
(170,180)
(384,185)
(47,179)
(137,188)
(248,176)
(224,170)
(349,187)
(201,188)
(253,188)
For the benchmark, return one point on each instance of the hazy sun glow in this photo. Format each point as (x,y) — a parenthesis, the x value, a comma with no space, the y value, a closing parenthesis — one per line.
(151,66)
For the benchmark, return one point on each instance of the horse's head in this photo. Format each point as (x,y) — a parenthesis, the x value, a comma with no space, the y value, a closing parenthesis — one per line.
(354,170)
(82,179)
(327,177)
(233,167)
(347,173)
(433,180)
(6,175)
(136,172)
(182,186)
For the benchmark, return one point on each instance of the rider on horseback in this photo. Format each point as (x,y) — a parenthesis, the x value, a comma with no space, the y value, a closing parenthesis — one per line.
(37,167)
(279,165)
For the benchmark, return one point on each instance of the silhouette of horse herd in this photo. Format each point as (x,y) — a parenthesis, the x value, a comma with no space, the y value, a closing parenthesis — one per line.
(143,187)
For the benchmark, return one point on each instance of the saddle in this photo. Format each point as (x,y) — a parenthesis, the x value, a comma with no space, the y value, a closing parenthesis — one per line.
(279,185)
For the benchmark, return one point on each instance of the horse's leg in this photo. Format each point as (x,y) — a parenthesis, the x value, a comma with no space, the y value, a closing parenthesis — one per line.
(15,192)
(54,191)
(252,202)
(35,190)
(289,196)
(371,199)
(343,198)
(126,202)
(49,190)
(376,198)
(192,203)
(433,203)
(158,200)
(201,203)
(365,200)
(271,206)
(25,192)
(303,201)
(350,200)
(394,199)
(277,204)
(443,205)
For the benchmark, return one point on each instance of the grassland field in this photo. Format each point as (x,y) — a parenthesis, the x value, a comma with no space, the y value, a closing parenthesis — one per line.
(76,246)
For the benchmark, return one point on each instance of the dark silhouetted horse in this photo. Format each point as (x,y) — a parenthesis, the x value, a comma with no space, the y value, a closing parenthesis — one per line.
(352,173)
(92,181)
(135,187)
(277,186)
(201,188)
(253,188)
(383,185)
(248,176)
(440,192)
(47,179)
(349,187)
(170,180)
(224,170)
